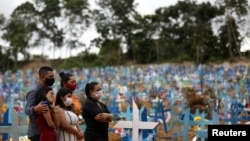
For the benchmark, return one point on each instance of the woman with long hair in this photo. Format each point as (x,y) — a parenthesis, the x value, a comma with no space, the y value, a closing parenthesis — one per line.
(46,120)
(69,129)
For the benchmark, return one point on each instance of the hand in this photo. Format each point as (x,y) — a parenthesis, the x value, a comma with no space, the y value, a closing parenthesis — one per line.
(41,108)
(53,107)
(101,117)
(104,117)
(53,104)
(80,135)
(108,116)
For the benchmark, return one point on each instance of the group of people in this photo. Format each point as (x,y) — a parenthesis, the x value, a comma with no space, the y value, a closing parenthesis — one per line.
(55,117)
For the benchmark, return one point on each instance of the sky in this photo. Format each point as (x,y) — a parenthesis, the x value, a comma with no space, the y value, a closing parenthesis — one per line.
(144,7)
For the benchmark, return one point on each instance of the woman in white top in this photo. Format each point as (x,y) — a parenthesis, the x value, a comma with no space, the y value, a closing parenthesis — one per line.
(68,129)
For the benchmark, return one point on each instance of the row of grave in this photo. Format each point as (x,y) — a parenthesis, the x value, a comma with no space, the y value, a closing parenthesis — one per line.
(11,127)
(154,78)
(143,81)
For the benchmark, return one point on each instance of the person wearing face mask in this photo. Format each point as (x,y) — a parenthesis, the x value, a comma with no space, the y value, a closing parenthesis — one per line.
(96,114)
(68,81)
(46,78)
(69,128)
(47,121)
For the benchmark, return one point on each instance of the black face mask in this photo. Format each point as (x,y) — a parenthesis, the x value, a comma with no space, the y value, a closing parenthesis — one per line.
(49,81)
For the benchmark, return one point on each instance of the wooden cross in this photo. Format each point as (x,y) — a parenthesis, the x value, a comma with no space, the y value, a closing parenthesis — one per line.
(136,124)
(14,129)
(159,113)
(203,132)
(186,121)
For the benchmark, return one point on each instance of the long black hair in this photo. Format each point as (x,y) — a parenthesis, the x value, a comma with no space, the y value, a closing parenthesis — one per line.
(61,93)
(41,94)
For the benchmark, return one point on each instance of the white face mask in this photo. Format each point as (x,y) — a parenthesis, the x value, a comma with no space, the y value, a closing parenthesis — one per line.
(68,101)
(98,94)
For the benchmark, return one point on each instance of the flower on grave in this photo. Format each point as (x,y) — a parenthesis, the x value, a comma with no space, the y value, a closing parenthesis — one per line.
(3,108)
(121,132)
(197,118)
(23,138)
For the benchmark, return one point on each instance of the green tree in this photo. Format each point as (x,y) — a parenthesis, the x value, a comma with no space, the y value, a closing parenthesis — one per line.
(145,43)
(229,46)
(50,35)
(76,18)
(115,22)
(49,24)
(6,62)
(19,29)
(234,12)
(185,30)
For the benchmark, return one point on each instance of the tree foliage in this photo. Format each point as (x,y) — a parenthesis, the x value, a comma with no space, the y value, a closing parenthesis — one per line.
(186,31)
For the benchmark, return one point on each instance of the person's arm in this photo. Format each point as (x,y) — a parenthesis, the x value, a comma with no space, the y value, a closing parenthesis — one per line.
(92,110)
(30,105)
(56,117)
(64,124)
(48,118)
(80,132)
(106,116)
(109,117)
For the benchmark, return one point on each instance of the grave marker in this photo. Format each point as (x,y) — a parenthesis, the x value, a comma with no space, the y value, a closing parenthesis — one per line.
(128,114)
(14,129)
(136,124)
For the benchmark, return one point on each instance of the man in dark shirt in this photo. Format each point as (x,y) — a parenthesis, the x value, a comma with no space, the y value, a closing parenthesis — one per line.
(46,78)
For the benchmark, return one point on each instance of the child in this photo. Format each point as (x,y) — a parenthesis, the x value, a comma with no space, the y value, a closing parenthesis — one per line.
(46,120)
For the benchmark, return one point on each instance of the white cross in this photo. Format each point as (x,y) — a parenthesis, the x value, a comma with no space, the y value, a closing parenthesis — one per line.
(136,124)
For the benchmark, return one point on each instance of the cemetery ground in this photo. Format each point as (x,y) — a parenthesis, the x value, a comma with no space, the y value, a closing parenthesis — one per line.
(175,125)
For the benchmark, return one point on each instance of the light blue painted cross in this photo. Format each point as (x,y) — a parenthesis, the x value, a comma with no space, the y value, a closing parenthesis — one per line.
(128,114)
(14,129)
(186,121)
(203,132)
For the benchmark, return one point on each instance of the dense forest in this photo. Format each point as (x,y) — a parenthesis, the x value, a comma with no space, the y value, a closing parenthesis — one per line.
(187,31)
